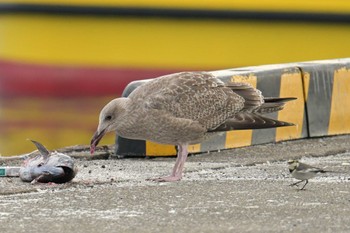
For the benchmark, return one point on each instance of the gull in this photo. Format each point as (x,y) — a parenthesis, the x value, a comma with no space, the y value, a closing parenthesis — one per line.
(186,108)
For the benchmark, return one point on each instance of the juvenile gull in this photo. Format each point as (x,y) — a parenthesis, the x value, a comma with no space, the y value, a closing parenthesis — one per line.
(186,108)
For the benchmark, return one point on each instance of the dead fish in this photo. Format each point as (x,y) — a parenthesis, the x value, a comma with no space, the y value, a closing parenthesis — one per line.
(48,167)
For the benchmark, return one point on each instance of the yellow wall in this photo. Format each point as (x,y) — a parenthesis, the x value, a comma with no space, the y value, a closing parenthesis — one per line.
(166,43)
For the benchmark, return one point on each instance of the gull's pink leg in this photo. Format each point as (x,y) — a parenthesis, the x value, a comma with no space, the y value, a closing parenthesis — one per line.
(176,174)
(178,159)
(181,164)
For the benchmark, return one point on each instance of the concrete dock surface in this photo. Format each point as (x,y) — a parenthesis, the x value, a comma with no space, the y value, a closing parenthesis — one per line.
(240,190)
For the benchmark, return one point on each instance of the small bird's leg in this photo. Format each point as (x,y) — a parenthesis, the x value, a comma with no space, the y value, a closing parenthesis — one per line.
(36,180)
(176,174)
(296,183)
(307,181)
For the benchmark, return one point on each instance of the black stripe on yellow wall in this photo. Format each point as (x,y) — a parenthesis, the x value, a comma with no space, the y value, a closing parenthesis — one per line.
(184,13)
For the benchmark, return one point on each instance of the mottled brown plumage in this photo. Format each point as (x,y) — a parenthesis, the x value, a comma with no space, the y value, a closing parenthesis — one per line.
(184,108)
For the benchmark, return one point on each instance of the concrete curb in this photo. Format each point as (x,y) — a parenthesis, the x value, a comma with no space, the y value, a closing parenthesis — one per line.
(322,89)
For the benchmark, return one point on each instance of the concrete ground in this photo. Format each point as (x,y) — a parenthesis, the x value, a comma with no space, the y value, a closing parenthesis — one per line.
(240,190)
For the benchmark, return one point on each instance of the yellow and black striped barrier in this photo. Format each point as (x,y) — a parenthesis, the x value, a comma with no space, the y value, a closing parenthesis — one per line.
(322,107)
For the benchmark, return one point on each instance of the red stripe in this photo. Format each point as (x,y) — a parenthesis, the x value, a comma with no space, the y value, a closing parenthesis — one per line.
(8,125)
(20,79)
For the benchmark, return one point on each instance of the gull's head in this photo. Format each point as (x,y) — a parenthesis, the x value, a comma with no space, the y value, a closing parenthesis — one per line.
(107,121)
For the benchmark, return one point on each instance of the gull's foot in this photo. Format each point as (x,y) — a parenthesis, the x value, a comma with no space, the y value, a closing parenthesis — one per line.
(166,179)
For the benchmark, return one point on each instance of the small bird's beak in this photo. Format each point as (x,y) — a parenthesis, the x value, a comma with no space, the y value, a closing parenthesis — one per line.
(96,139)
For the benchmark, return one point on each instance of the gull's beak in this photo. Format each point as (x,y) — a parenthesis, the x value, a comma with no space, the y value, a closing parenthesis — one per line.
(96,139)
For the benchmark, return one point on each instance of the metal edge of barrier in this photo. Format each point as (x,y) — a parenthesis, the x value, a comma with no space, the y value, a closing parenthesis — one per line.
(272,80)
(327,95)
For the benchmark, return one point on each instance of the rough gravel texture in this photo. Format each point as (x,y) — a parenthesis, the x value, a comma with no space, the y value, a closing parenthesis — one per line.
(240,190)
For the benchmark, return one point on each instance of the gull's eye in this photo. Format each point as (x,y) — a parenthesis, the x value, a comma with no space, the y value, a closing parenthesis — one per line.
(108,118)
